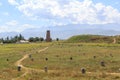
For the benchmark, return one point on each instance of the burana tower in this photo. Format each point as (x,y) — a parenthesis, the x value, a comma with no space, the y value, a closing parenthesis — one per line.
(48,38)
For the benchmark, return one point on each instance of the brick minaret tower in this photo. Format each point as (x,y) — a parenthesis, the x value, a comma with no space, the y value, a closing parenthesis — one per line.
(48,38)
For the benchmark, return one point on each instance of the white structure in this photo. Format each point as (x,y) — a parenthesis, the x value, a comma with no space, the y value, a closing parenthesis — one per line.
(23,41)
(1,43)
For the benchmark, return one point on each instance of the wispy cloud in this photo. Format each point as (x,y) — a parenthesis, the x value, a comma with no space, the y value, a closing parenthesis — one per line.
(68,11)
(13,2)
(5,13)
(14,25)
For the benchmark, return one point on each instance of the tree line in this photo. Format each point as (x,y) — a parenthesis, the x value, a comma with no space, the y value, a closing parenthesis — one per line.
(20,37)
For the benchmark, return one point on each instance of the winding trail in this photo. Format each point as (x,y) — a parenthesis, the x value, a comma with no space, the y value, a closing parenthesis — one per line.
(115,74)
(106,73)
(114,40)
(27,70)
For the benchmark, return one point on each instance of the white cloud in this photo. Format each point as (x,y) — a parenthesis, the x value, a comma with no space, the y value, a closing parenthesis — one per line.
(68,11)
(22,27)
(13,2)
(3,28)
(12,23)
(5,13)
(26,26)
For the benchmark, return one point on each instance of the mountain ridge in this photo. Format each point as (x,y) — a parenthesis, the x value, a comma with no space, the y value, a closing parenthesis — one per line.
(66,31)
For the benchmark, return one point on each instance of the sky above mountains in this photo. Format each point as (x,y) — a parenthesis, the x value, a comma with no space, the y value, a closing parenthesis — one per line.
(19,15)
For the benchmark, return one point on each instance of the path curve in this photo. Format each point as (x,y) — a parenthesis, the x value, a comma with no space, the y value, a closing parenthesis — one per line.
(27,70)
(107,73)
(19,63)
(114,40)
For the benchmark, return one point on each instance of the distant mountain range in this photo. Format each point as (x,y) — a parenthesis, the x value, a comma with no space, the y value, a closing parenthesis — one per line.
(66,31)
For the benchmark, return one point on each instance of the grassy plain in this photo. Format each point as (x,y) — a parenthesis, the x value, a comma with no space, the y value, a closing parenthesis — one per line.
(60,66)
(9,54)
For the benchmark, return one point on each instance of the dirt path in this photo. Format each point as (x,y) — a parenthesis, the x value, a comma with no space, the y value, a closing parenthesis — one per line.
(27,70)
(115,74)
(114,40)
(106,73)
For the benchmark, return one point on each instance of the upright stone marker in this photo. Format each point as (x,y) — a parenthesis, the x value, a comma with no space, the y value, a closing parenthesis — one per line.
(102,63)
(46,69)
(19,68)
(83,71)
(46,59)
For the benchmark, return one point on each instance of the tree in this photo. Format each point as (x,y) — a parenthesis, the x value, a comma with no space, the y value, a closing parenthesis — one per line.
(36,39)
(57,39)
(31,39)
(12,39)
(41,39)
(6,40)
(20,37)
(1,40)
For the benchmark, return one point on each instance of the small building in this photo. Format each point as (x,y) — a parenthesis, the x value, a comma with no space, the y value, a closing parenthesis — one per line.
(23,41)
(1,43)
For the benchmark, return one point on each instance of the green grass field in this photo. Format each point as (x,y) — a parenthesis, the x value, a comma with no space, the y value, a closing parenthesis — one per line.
(13,52)
(60,66)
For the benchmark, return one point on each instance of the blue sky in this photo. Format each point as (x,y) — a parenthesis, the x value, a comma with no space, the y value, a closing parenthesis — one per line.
(19,15)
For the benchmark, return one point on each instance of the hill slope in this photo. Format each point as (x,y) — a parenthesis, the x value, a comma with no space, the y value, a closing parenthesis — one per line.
(94,39)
